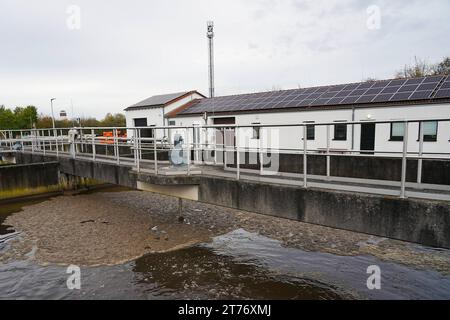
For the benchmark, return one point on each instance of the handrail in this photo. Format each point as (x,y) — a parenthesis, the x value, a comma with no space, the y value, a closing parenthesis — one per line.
(143,150)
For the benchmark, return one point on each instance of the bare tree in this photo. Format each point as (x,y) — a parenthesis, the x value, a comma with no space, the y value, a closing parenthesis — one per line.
(419,68)
(442,67)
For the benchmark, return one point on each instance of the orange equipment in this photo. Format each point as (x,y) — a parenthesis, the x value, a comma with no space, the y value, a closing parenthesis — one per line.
(108,136)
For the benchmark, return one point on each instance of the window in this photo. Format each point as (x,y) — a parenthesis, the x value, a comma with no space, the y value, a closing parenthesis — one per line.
(397,131)
(429,131)
(340,131)
(171,122)
(256,131)
(310,131)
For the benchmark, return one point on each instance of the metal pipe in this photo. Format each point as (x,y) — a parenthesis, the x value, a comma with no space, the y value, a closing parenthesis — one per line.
(155,154)
(419,162)
(305,159)
(328,153)
(238,172)
(404,161)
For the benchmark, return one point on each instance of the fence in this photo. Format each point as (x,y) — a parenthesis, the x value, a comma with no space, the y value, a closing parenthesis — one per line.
(250,149)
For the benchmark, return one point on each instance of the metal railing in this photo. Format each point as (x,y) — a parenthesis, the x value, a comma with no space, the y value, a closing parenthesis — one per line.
(149,148)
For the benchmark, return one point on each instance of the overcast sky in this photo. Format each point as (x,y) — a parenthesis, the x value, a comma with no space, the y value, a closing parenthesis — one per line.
(125,51)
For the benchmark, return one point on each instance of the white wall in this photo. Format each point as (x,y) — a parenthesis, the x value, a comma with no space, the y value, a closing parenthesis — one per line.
(291,138)
(155,116)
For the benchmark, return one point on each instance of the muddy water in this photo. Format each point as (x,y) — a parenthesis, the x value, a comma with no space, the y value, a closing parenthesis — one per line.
(237,264)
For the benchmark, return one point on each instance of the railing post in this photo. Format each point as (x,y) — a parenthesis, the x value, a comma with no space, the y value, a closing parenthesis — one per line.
(155,153)
(188,152)
(215,145)
(305,159)
(261,154)
(419,162)
(9,140)
(116,146)
(93,144)
(43,140)
(21,140)
(139,151)
(55,135)
(33,140)
(404,161)
(49,141)
(328,153)
(224,148)
(238,158)
(135,147)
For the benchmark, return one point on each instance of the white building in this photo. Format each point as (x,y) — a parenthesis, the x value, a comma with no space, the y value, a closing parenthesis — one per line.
(152,111)
(399,99)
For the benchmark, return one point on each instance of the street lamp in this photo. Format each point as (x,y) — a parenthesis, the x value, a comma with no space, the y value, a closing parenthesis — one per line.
(53,117)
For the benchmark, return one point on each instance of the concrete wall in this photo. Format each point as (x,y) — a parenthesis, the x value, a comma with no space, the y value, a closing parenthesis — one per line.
(28,176)
(389,169)
(421,221)
(425,222)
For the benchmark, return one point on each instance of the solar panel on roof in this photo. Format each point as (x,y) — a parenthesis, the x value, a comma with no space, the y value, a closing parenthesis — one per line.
(358,92)
(398,82)
(335,101)
(446,85)
(366,85)
(338,87)
(390,90)
(418,95)
(428,86)
(408,88)
(433,79)
(414,81)
(320,102)
(442,93)
(365,99)
(401,96)
(314,95)
(367,92)
(351,86)
(350,100)
(374,91)
(343,94)
(328,95)
(380,84)
(383,97)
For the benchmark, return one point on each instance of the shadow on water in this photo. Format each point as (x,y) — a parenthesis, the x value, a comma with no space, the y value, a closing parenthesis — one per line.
(199,273)
(247,265)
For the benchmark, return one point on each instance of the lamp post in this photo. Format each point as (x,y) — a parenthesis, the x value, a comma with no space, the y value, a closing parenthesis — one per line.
(53,117)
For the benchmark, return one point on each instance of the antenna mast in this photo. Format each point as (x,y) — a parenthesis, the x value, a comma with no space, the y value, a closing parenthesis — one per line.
(210,35)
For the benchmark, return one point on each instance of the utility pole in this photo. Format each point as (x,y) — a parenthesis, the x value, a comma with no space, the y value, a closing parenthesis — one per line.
(210,36)
(53,116)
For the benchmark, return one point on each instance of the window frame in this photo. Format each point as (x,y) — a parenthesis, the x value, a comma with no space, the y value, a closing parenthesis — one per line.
(397,138)
(336,125)
(256,130)
(310,125)
(429,138)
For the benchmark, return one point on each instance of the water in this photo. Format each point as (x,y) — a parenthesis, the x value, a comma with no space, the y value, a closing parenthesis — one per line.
(238,265)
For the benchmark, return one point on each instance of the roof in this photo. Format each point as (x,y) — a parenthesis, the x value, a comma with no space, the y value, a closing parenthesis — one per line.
(176,111)
(160,100)
(394,91)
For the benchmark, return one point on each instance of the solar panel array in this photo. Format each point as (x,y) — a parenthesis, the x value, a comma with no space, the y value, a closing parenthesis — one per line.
(385,91)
